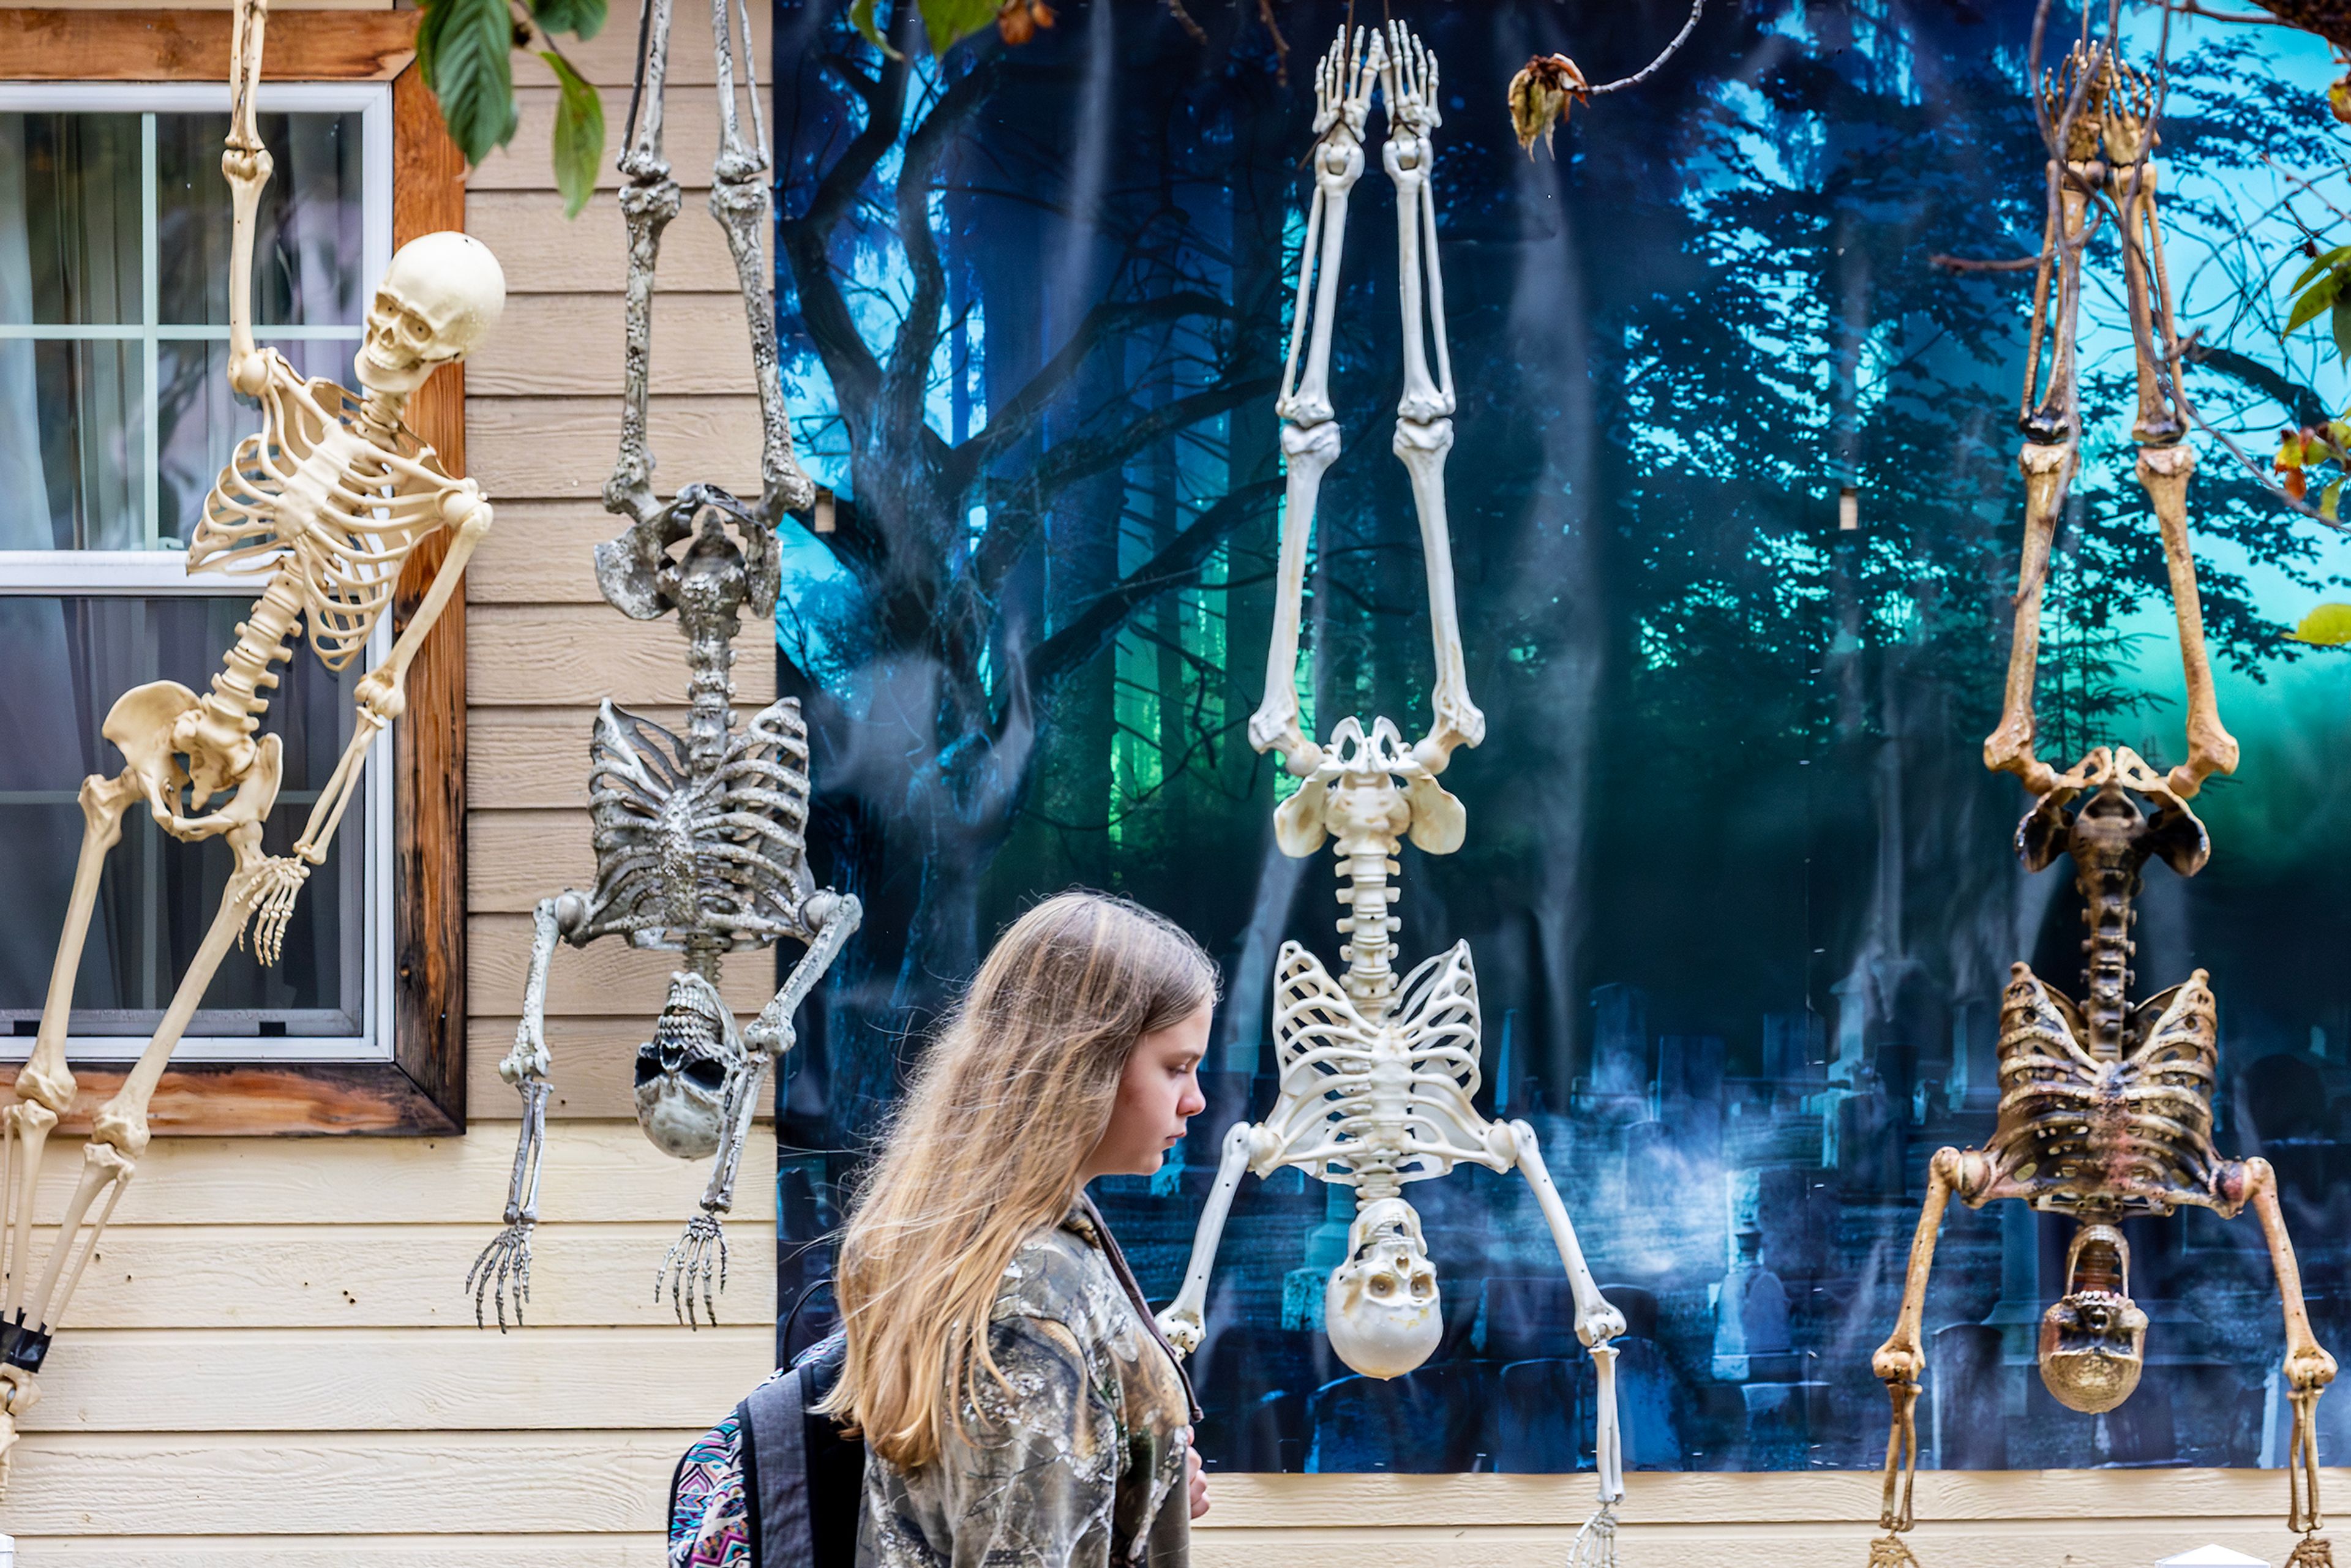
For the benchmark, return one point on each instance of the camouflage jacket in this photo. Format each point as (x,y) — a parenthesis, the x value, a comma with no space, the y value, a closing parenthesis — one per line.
(1081,1465)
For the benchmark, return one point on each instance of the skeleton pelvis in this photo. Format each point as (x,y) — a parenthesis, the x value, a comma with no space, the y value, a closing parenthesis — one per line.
(2094,1339)
(173,743)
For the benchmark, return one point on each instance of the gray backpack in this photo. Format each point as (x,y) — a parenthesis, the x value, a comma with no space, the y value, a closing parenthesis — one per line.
(802,1479)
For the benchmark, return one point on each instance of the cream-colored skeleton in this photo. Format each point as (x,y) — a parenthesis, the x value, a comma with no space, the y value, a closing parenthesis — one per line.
(2106,1108)
(336,492)
(1378,1076)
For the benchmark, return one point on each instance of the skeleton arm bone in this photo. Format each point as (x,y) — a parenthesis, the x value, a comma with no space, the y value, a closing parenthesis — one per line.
(2308,1368)
(382,691)
(1596,1321)
(1181,1322)
(503,1268)
(1900,1360)
(771,1032)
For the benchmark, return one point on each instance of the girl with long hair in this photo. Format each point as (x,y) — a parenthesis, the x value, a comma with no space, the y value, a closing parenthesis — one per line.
(1018,1408)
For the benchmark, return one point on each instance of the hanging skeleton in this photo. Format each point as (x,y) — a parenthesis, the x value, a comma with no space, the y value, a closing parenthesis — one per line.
(700,840)
(333,493)
(2105,1110)
(1378,1074)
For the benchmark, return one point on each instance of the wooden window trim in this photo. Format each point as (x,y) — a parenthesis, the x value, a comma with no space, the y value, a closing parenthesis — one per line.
(422,1090)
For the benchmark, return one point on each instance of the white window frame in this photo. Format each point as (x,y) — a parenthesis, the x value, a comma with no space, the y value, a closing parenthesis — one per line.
(162,573)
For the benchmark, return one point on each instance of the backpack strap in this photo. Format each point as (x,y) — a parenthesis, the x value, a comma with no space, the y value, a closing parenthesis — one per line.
(775,1471)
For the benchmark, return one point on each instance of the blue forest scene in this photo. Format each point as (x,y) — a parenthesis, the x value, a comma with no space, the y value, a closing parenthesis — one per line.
(1736,516)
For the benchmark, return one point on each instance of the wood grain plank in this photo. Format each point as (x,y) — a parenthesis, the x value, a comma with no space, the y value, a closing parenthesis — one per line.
(689,133)
(541,552)
(609,59)
(605,981)
(2079,1544)
(645,1548)
(586,1274)
(560,449)
(603,1170)
(348,1381)
(574,656)
(87,1484)
(143,45)
(568,345)
(428,849)
(520,857)
(595,1065)
(542,252)
(1797,1499)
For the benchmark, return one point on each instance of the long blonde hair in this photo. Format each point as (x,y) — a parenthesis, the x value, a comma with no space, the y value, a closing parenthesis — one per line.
(986,1148)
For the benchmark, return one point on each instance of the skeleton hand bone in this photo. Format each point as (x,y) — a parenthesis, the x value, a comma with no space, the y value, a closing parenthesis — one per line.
(1409,82)
(1342,88)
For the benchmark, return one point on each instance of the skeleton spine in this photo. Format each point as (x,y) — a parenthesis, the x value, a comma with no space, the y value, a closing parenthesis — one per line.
(710,687)
(261,641)
(1371,980)
(2108,883)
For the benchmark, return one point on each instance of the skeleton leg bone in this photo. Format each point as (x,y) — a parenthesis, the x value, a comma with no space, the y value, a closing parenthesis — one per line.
(2308,1369)
(2164,471)
(2048,471)
(45,1084)
(1309,436)
(1181,1322)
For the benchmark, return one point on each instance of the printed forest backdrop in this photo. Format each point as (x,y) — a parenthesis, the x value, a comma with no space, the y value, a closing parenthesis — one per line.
(1739,891)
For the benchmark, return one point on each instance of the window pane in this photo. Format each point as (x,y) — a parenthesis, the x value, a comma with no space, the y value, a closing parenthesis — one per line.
(69,218)
(307,253)
(73,424)
(198,420)
(69,659)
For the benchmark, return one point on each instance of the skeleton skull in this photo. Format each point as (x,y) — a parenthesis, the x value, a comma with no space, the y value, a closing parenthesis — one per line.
(686,1073)
(439,298)
(2094,1339)
(1381,1306)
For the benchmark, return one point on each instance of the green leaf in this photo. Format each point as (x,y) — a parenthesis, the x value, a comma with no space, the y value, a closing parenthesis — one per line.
(949,22)
(2320,296)
(861,16)
(2319,264)
(583,19)
(2342,325)
(463,48)
(2328,498)
(2328,626)
(578,135)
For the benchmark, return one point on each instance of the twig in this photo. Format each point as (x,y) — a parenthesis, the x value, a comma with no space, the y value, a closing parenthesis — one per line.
(1280,44)
(1646,72)
(2189,8)
(1966,263)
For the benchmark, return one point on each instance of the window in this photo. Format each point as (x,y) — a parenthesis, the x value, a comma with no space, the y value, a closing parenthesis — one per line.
(115,415)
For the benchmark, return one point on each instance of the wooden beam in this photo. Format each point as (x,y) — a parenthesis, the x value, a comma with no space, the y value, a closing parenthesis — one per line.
(193,46)
(428,194)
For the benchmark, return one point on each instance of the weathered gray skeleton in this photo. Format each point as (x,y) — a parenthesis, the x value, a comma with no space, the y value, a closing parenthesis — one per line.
(1379,1074)
(700,838)
(2106,1108)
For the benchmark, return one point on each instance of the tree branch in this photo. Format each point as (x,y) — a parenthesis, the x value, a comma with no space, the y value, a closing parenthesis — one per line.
(1015,514)
(1008,425)
(807,240)
(1177,565)
(2303,404)
(906,379)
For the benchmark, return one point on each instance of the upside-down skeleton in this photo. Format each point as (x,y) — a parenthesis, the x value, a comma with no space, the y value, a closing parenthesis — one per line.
(332,495)
(2106,1107)
(701,840)
(1378,1074)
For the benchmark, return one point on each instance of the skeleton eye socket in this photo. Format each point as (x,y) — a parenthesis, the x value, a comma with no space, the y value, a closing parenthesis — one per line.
(648,1064)
(1383,1284)
(706,1073)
